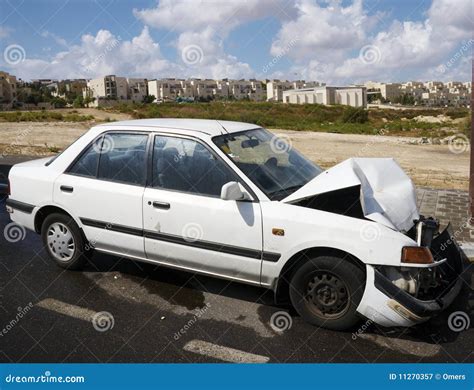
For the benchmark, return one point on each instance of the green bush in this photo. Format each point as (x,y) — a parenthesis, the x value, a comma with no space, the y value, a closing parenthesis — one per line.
(355,115)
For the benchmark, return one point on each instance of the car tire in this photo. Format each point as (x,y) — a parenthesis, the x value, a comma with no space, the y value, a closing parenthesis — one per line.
(64,241)
(326,291)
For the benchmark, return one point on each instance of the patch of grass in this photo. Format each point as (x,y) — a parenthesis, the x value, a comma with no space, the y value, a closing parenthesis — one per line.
(43,116)
(304,117)
(52,149)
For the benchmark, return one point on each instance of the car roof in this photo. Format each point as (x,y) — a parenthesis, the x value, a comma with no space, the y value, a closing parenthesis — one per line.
(207,126)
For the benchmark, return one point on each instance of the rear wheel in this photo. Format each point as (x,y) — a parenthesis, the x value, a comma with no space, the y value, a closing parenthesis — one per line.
(63,241)
(326,291)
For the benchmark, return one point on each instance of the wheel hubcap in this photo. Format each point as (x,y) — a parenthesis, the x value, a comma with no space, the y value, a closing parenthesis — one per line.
(327,295)
(61,242)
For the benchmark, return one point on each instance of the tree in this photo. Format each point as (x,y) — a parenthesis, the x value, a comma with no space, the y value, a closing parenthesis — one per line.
(58,102)
(149,99)
(78,102)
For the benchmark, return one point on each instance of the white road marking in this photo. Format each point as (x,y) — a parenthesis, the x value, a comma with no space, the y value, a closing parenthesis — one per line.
(223,353)
(67,309)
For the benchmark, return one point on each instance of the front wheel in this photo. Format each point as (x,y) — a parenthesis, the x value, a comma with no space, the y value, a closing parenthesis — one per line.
(325,291)
(63,241)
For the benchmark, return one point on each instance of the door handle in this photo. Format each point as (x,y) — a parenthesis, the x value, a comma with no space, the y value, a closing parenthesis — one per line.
(161,205)
(66,189)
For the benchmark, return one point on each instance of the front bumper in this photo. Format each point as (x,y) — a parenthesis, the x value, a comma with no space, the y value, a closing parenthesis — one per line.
(388,305)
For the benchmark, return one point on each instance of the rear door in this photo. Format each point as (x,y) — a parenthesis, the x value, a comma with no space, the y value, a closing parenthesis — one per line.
(104,188)
(187,224)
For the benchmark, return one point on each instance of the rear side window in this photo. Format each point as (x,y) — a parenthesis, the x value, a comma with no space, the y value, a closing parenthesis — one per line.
(122,158)
(87,163)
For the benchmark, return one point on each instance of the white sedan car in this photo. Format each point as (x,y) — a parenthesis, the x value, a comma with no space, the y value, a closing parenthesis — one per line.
(231,200)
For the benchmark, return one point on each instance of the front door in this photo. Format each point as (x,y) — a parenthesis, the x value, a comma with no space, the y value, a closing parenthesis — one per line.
(188,225)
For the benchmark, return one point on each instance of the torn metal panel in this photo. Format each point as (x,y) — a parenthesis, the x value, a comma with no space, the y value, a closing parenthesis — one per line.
(387,193)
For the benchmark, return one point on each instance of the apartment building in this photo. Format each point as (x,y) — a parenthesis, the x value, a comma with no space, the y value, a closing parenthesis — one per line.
(137,89)
(8,89)
(275,88)
(351,96)
(169,89)
(65,88)
(388,91)
(107,90)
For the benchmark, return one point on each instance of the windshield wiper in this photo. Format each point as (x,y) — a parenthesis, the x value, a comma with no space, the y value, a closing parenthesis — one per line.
(288,189)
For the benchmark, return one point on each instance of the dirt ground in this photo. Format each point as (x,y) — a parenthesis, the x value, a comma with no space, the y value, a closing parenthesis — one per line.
(435,166)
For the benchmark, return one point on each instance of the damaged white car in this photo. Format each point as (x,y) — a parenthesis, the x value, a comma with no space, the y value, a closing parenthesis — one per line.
(231,200)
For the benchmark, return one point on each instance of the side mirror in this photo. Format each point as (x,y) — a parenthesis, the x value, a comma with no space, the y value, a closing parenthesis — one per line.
(233,191)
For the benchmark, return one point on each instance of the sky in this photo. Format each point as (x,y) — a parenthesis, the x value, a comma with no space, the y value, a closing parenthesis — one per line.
(332,41)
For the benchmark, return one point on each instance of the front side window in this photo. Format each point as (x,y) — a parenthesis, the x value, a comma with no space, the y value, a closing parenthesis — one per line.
(185,165)
(123,158)
(272,164)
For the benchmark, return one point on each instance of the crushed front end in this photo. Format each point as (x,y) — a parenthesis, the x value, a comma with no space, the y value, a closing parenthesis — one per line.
(418,289)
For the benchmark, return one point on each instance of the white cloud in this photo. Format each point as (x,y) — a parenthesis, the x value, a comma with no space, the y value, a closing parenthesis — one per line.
(98,55)
(330,39)
(318,39)
(323,32)
(220,15)
(202,55)
(204,25)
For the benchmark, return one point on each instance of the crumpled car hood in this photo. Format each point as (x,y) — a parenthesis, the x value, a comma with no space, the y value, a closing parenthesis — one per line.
(387,193)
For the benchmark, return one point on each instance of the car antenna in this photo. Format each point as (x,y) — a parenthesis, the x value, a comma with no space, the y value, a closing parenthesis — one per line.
(221,125)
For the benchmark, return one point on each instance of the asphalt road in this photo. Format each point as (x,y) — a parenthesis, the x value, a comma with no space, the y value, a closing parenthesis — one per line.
(160,315)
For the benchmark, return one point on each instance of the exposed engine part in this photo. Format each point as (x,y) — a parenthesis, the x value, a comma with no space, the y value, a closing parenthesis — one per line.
(422,283)
(426,229)
(402,279)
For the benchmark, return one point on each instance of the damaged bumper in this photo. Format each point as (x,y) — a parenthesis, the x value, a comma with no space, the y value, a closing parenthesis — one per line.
(388,305)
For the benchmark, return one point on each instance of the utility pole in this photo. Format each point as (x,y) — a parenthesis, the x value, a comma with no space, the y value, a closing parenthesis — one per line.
(471,172)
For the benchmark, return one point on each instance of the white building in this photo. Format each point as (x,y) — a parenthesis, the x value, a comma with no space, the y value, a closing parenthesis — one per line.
(275,88)
(388,91)
(107,90)
(137,89)
(351,96)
